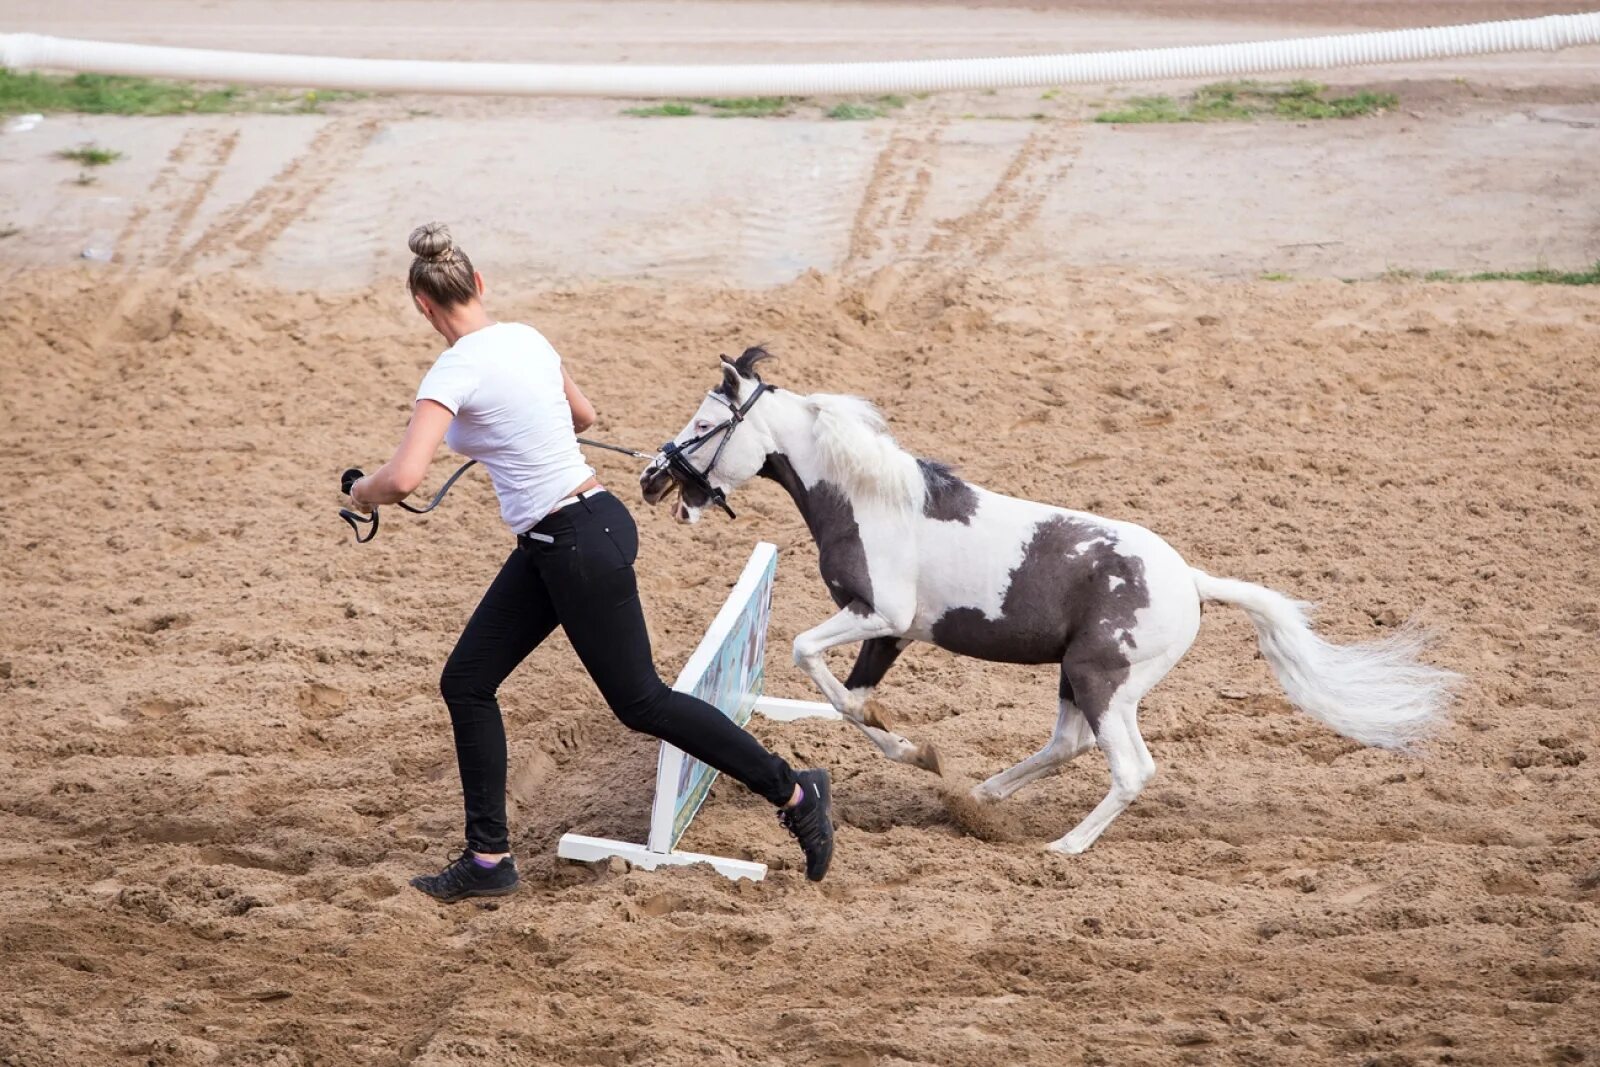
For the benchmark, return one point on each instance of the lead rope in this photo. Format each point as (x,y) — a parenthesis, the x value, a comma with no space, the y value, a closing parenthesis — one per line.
(357,520)
(615,448)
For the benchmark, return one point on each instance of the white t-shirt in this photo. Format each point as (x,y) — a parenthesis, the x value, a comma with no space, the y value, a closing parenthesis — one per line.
(503,384)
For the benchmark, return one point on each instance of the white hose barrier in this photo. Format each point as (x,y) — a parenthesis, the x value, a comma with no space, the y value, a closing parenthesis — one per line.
(23,51)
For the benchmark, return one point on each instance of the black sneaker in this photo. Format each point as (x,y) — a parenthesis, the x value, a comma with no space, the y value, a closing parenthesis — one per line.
(811,822)
(464,877)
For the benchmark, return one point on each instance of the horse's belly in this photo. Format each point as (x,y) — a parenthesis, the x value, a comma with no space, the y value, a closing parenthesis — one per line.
(968,632)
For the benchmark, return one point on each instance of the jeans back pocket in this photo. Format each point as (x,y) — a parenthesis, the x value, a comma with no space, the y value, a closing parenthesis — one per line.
(622,533)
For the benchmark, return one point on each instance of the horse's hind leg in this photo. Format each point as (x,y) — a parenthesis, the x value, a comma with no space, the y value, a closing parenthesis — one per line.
(1109,696)
(1071,737)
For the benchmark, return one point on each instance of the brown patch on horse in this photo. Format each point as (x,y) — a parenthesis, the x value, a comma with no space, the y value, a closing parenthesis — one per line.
(947,497)
(1059,594)
(831,519)
(1073,600)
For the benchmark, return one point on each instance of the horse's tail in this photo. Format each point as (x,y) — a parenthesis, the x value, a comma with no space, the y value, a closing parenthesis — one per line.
(1378,692)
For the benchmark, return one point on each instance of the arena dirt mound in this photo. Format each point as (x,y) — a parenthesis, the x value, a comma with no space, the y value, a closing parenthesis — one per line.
(225,753)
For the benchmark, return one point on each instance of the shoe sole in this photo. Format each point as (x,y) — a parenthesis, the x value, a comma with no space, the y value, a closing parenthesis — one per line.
(506,892)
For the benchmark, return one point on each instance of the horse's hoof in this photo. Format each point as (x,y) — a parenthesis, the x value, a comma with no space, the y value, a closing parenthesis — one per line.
(982,795)
(927,757)
(1067,847)
(873,715)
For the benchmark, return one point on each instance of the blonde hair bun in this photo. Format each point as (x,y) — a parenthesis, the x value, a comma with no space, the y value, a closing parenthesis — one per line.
(431,242)
(441,272)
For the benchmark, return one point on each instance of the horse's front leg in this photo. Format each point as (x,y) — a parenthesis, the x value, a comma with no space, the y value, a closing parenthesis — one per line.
(876,631)
(873,661)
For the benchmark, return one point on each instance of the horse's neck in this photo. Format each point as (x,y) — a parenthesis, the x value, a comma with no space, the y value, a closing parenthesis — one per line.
(789,431)
(794,462)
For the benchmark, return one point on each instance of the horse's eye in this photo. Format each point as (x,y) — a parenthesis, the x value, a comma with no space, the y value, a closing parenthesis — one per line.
(702,426)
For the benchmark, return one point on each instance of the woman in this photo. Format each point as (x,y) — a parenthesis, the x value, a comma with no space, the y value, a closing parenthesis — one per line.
(500,395)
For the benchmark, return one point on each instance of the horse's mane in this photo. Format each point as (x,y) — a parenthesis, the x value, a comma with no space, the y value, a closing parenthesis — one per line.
(858,453)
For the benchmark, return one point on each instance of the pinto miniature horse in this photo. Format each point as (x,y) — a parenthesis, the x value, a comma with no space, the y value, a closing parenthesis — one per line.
(910,552)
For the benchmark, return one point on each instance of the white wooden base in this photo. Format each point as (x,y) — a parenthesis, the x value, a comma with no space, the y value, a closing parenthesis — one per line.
(783,710)
(590,849)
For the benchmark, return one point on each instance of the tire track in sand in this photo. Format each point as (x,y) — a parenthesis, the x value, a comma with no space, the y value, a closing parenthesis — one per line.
(216,149)
(249,228)
(158,209)
(253,226)
(892,235)
(891,207)
(1015,201)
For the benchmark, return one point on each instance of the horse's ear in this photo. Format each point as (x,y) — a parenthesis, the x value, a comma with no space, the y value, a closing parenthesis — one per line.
(730,379)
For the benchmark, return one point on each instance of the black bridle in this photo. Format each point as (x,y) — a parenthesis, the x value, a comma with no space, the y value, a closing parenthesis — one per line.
(358,520)
(675,457)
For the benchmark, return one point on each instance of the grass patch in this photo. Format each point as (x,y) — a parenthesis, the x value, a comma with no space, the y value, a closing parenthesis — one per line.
(1276,276)
(1145,109)
(736,107)
(856,110)
(1246,101)
(853,112)
(754,107)
(661,111)
(763,107)
(106,94)
(1541,276)
(89,155)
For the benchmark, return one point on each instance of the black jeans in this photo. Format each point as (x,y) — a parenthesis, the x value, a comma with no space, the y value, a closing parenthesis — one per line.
(583,579)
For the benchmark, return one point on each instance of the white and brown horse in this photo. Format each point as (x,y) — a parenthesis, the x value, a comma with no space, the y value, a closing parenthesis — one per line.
(910,552)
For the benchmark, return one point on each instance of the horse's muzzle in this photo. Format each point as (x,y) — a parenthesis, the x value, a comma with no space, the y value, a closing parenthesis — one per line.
(656,483)
(671,472)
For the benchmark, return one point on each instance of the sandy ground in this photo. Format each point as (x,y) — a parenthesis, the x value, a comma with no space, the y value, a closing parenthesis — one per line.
(224,753)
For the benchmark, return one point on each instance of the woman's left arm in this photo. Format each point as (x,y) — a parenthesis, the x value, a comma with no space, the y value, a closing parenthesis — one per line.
(583,413)
(399,478)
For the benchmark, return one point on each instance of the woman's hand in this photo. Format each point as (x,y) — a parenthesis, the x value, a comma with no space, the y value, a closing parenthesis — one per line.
(356,503)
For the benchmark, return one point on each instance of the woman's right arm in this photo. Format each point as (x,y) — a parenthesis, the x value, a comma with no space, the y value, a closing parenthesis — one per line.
(399,478)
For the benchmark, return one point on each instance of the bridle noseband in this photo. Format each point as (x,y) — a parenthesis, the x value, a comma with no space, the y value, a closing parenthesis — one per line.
(675,457)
